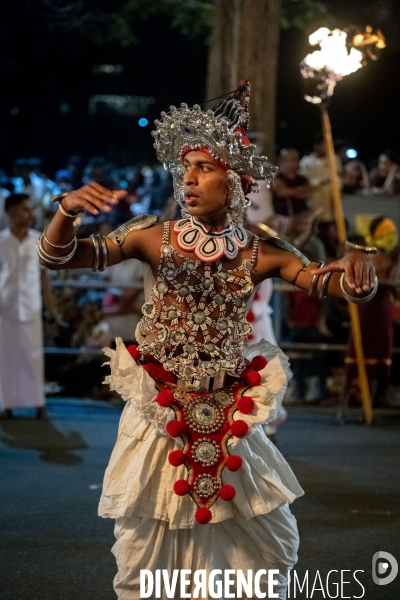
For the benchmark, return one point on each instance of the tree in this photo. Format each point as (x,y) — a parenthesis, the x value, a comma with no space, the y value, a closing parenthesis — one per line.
(244,44)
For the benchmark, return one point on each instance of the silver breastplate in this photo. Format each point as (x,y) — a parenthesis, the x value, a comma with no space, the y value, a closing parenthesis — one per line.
(194,322)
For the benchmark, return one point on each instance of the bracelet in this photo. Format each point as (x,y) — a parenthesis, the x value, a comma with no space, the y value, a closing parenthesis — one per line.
(355,299)
(105,252)
(366,249)
(50,258)
(54,245)
(100,252)
(314,280)
(66,213)
(59,197)
(96,252)
(324,284)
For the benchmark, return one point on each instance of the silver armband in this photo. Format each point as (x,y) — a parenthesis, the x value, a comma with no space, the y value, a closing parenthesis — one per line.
(139,222)
(284,245)
(355,299)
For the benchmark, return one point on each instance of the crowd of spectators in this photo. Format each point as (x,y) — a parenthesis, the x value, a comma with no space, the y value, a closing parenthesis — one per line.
(298,207)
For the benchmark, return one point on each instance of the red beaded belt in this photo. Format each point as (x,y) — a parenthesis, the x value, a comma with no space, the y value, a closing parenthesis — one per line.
(204,421)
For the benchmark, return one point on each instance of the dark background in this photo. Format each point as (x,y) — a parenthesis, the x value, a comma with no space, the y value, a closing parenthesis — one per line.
(48,77)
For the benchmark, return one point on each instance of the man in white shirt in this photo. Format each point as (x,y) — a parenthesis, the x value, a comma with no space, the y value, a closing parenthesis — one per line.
(315,167)
(22,281)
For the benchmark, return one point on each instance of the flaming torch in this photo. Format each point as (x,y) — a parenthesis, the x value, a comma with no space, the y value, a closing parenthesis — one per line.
(340,53)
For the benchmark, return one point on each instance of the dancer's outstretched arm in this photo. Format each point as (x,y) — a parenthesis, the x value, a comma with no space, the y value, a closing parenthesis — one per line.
(358,280)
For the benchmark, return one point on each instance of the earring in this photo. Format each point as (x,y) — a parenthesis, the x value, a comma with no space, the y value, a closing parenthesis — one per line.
(236,202)
(179,189)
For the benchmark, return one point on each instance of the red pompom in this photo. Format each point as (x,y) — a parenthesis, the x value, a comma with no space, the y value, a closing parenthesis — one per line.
(181,487)
(239,428)
(250,337)
(246,405)
(258,363)
(165,398)
(176,458)
(256,296)
(134,351)
(174,428)
(157,371)
(234,462)
(250,317)
(203,515)
(252,378)
(227,492)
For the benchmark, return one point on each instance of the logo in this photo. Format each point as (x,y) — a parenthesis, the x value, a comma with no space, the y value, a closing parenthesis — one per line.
(382,568)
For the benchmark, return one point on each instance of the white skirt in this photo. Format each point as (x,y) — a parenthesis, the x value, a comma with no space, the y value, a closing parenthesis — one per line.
(269,541)
(21,364)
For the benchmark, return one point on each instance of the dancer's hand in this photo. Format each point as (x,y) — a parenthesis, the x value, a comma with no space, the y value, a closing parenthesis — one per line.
(359,269)
(93,197)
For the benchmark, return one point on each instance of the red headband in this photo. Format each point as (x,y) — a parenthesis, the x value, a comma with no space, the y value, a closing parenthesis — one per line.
(246,180)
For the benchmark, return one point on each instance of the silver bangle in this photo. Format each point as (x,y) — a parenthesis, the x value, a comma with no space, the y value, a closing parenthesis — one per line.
(355,299)
(66,213)
(314,280)
(104,249)
(96,252)
(54,245)
(59,197)
(366,249)
(51,259)
(324,285)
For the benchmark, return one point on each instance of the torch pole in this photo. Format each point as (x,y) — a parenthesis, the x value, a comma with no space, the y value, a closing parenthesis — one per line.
(342,235)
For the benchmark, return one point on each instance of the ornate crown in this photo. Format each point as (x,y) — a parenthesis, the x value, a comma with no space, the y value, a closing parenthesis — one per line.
(219,130)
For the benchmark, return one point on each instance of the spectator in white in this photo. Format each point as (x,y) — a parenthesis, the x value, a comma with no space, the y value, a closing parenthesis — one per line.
(315,167)
(39,189)
(385,178)
(121,305)
(21,282)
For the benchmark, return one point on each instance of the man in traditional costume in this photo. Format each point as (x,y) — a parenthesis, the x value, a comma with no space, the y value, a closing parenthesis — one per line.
(193,482)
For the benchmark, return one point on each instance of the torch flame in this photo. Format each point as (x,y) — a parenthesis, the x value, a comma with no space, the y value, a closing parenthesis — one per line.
(333,55)
(338,57)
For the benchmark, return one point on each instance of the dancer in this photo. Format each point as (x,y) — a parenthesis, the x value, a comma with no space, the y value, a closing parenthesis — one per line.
(193,482)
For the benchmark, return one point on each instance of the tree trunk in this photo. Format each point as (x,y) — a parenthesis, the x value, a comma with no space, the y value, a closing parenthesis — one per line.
(244,45)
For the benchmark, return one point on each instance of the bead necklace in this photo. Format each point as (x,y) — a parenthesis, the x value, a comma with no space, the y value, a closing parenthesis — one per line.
(207,245)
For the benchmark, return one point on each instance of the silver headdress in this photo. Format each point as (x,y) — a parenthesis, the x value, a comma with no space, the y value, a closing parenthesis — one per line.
(219,130)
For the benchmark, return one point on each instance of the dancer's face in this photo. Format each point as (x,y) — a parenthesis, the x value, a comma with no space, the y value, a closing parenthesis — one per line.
(205,187)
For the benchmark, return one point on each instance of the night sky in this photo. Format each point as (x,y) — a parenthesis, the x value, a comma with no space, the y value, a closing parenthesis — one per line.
(48,77)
